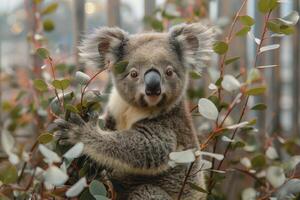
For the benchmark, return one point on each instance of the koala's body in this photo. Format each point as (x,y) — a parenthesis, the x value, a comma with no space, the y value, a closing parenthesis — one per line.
(146,118)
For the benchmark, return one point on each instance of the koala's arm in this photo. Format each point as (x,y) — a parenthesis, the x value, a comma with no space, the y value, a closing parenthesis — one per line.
(143,149)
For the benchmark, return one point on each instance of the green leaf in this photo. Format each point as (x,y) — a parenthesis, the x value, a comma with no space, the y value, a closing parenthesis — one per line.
(259,106)
(237,144)
(256,91)
(198,188)
(48,25)
(247,20)
(220,47)
(253,75)
(195,75)
(8,173)
(258,161)
(273,26)
(287,30)
(72,108)
(43,53)
(50,8)
(97,188)
(40,85)
(45,138)
(86,195)
(37,1)
(265,6)
(61,84)
(100,197)
(120,67)
(231,60)
(252,122)
(243,31)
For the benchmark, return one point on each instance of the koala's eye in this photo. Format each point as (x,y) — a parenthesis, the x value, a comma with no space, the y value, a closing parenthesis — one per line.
(169,72)
(133,74)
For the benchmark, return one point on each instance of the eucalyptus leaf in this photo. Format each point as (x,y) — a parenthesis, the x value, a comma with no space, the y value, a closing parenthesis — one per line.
(183,157)
(40,85)
(269,47)
(77,188)
(247,20)
(220,47)
(55,176)
(291,19)
(243,31)
(259,106)
(97,188)
(49,9)
(265,6)
(275,175)
(61,84)
(82,78)
(208,109)
(256,91)
(43,53)
(48,25)
(8,173)
(49,155)
(230,83)
(75,151)
(45,138)
(231,60)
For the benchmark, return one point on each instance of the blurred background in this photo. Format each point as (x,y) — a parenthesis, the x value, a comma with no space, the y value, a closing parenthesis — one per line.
(60,26)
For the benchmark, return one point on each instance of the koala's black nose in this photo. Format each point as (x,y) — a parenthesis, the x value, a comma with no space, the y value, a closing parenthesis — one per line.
(152,83)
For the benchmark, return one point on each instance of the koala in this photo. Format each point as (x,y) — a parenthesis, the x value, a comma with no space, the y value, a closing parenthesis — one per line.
(147,117)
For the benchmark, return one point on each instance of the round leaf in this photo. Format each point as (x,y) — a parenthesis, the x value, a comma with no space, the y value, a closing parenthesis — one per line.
(77,188)
(247,20)
(45,138)
(55,176)
(230,83)
(265,6)
(48,25)
(75,151)
(231,60)
(82,78)
(49,9)
(220,47)
(243,31)
(8,173)
(183,157)
(259,106)
(61,84)
(256,91)
(43,53)
(291,19)
(40,85)
(49,155)
(275,175)
(97,188)
(208,109)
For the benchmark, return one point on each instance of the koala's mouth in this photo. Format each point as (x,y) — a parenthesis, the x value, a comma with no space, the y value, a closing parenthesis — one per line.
(152,101)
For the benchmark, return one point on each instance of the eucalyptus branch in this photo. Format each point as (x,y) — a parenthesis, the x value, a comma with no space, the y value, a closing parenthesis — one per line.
(108,66)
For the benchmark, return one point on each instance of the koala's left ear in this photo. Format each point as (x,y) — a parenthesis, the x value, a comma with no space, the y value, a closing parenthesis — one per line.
(103,45)
(193,43)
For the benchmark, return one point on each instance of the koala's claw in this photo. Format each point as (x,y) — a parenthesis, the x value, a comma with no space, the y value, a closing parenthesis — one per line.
(76,119)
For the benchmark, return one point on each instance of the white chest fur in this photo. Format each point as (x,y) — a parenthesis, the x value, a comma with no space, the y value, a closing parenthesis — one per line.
(124,113)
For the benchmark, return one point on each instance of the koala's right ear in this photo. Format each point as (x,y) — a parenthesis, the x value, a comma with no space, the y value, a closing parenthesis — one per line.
(103,46)
(193,43)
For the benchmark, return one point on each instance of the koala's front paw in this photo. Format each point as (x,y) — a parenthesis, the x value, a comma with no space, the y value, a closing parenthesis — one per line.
(71,131)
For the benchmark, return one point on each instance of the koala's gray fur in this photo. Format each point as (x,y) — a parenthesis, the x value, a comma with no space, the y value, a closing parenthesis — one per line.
(143,131)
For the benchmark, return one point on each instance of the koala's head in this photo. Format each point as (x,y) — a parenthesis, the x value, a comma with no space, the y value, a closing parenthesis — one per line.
(155,74)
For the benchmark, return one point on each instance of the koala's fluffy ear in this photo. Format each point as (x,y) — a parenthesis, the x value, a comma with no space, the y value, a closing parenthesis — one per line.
(103,46)
(193,43)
